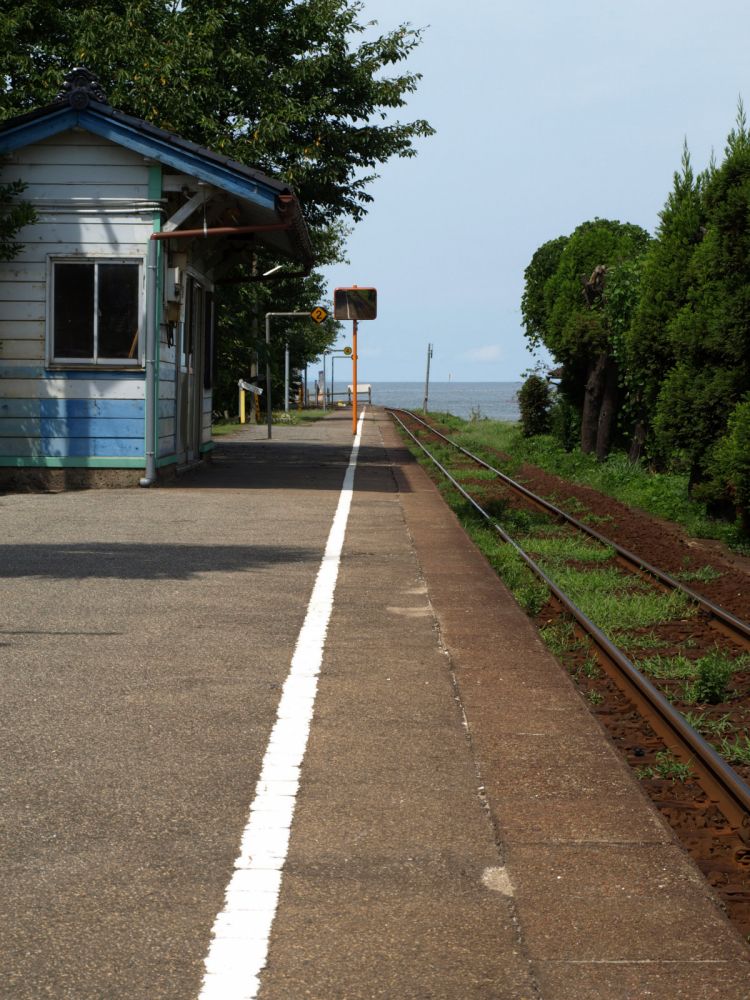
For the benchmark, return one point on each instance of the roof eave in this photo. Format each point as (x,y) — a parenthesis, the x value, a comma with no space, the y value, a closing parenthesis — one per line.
(263,194)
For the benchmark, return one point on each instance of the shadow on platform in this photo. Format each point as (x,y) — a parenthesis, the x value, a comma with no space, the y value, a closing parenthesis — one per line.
(141,561)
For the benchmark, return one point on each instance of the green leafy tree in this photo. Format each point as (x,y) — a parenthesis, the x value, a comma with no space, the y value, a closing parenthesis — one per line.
(14,215)
(302,90)
(279,84)
(535,303)
(649,351)
(732,463)
(578,321)
(710,334)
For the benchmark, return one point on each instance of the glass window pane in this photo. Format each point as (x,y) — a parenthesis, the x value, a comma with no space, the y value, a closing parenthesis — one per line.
(74,311)
(118,311)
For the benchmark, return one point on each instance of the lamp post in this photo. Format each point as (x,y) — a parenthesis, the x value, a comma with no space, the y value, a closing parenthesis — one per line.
(294,315)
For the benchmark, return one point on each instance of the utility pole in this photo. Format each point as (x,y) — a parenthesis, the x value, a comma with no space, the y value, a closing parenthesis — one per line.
(427,378)
(286,377)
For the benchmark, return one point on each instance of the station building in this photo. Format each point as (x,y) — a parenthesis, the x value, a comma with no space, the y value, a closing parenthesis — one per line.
(107,314)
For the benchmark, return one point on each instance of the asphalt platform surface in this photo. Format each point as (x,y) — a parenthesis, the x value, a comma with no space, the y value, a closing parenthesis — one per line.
(463,828)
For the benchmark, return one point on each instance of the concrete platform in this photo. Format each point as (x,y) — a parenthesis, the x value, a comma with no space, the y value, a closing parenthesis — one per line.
(462,829)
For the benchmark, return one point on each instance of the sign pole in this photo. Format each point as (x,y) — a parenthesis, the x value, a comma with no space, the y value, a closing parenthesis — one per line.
(318,314)
(268,373)
(354,376)
(355,304)
(286,377)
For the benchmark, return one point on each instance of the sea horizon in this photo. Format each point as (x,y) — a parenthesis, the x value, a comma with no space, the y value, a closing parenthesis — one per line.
(469,399)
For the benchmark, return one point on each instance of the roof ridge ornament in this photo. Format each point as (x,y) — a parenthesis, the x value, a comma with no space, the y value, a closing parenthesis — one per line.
(81,86)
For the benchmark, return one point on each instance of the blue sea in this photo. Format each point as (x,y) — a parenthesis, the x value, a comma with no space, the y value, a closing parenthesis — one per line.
(496,400)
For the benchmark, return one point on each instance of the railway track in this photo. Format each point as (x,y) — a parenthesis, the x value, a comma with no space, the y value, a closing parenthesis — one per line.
(723,787)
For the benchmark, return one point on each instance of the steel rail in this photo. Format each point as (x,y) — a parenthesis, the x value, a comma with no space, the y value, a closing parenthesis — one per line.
(717,778)
(726,617)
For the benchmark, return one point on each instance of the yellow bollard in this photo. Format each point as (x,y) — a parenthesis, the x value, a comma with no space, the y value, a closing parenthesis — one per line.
(242,406)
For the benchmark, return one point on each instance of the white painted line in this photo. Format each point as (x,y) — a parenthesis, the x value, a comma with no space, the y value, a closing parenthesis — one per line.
(241,932)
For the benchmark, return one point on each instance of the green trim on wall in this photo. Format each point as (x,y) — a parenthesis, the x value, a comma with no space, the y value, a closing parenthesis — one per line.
(52,462)
(154,182)
(207,446)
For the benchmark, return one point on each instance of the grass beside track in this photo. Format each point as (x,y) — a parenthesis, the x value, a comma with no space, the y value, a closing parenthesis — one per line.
(662,494)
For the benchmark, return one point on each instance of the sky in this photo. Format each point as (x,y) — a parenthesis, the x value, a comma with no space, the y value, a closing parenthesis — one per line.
(548,113)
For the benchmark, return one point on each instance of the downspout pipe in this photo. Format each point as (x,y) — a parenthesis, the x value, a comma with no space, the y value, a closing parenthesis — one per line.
(151,340)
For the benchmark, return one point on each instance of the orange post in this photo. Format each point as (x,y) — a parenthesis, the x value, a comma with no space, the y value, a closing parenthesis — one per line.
(354,376)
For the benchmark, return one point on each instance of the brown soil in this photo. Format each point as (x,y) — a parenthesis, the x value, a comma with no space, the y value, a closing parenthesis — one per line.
(659,542)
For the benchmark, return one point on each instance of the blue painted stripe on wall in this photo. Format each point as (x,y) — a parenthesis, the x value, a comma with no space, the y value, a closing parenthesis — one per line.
(80,409)
(14,408)
(32,429)
(125,409)
(95,427)
(92,447)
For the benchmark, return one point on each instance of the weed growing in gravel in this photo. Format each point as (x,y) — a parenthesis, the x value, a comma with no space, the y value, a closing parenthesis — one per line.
(522,522)
(590,668)
(617,603)
(473,473)
(714,671)
(559,550)
(736,751)
(666,766)
(530,593)
(595,697)
(707,726)
(594,520)
(628,641)
(558,638)
(703,575)
(667,667)
(550,530)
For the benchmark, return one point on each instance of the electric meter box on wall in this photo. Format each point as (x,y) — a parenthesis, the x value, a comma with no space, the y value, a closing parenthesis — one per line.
(355,303)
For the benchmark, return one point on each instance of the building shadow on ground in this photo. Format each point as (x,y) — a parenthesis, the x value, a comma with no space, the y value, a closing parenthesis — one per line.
(141,561)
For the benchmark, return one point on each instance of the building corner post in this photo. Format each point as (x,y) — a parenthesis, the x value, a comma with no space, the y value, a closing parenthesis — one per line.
(150,388)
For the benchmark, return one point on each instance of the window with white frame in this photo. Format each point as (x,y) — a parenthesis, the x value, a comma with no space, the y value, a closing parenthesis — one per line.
(95,313)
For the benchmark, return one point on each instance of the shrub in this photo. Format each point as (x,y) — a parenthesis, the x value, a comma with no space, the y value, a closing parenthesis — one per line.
(534,403)
(565,424)
(733,461)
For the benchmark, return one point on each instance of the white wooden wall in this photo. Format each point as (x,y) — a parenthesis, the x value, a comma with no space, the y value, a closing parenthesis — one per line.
(91,197)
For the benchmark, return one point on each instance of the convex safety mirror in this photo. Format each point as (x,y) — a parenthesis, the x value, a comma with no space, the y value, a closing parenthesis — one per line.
(355,303)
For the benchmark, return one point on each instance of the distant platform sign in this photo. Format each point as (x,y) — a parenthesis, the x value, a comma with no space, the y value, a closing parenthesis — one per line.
(355,303)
